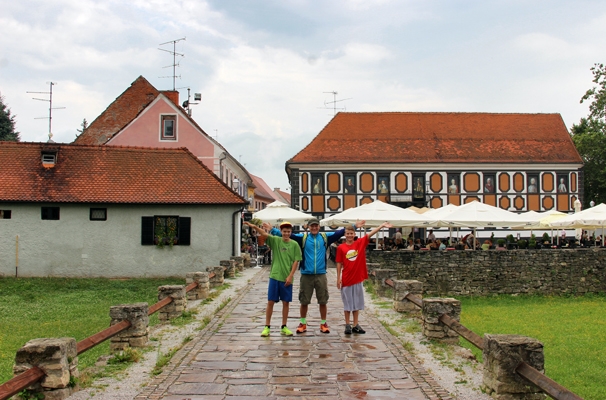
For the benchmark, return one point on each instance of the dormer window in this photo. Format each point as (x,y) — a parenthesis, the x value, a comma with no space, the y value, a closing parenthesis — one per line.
(168,127)
(49,158)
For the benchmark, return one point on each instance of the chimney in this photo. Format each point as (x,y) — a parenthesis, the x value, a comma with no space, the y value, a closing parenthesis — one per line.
(173,95)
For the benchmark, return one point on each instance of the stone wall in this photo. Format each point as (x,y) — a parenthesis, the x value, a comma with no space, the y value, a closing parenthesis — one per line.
(480,273)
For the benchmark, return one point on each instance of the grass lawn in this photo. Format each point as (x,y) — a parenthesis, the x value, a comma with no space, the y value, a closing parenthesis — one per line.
(59,307)
(572,330)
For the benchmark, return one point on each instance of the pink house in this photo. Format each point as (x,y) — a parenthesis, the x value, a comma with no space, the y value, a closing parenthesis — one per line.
(143,116)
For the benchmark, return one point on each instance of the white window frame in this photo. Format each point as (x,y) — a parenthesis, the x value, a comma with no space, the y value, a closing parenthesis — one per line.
(163,119)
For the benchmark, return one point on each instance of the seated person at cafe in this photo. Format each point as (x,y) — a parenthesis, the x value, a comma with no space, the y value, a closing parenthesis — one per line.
(398,245)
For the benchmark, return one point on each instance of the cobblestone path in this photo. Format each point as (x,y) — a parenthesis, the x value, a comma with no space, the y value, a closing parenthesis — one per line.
(230,360)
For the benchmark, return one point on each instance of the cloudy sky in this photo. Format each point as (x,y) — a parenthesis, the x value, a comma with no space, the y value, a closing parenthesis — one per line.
(264,67)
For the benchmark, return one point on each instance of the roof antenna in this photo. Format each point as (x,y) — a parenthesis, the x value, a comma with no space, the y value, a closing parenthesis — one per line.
(334,103)
(50,109)
(175,63)
(188,103)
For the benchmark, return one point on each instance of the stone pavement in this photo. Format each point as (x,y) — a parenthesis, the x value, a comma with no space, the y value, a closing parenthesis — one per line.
(230,360)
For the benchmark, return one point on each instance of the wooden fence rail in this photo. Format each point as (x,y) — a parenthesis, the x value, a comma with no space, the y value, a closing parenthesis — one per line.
(548,385)
(34,374)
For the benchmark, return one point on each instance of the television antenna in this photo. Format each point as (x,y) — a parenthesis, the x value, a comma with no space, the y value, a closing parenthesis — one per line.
(334,103)
(50,108)
(175,64)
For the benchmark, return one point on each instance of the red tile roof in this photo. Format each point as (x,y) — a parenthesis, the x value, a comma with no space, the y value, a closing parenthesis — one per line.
(284,195)
(108,174)
(414,137)
(120,113)
(262,189)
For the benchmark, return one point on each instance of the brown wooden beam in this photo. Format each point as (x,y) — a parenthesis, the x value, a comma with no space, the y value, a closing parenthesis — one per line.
(468,335)
(102,336)
(20,382)
(164,302)
(549,386)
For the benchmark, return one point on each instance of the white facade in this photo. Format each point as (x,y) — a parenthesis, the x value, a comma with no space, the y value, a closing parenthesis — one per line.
(75,246)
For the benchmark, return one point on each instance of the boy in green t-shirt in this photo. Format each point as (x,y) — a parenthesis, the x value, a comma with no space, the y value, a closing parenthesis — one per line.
(286,257)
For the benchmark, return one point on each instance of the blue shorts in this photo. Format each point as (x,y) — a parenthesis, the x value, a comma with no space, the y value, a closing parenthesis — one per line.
(277,291)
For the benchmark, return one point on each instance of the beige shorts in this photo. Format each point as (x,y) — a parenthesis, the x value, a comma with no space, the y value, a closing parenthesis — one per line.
(308,284)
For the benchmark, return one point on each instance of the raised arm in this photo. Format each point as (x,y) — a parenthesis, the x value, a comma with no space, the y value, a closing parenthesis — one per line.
(378,228)
(261,231)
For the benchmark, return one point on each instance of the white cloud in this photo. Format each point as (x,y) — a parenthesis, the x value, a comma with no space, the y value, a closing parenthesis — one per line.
(263,70)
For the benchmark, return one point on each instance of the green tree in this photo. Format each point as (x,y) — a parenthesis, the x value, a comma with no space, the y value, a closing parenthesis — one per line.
(7,123)
(84,126)
(589,136)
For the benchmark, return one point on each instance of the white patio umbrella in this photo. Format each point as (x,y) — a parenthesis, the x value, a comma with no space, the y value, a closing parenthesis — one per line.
(540,221)
(435,213)
(376,213)
(590,218)
(478,215)
(277,212)
(533,220)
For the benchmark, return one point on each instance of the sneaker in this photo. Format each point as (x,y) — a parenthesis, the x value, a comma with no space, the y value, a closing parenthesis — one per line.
(324,328)
(358,329)
(347,329)
(301,328)
(285,332)
(265,332)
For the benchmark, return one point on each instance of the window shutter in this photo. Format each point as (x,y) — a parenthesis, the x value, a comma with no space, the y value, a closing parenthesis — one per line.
(147,231)
(184,231)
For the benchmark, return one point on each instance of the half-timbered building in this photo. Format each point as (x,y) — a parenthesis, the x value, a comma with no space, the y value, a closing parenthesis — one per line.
(518,162)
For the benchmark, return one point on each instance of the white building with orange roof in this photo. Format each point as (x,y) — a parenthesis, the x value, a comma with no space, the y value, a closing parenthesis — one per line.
(112,211)
(519,162)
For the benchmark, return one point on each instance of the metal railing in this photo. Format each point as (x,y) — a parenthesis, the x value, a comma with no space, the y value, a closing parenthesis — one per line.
(34,374)
(548,385)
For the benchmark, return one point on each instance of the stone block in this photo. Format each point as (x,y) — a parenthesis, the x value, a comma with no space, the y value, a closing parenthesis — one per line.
(433,308)
(230,268)
(140,341)
(137,314)
(218,278)
(502,354)
(403,287)
(380,276)
(239,262)
(173,291)
(57,357)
